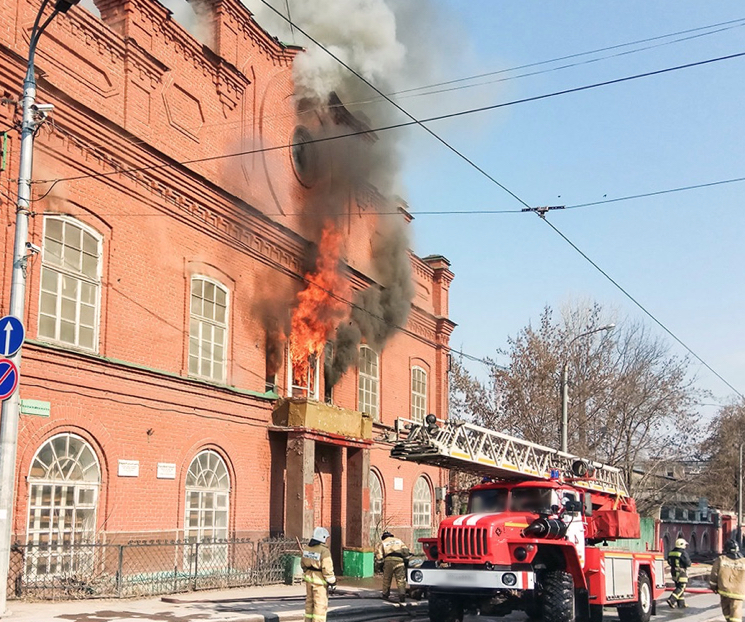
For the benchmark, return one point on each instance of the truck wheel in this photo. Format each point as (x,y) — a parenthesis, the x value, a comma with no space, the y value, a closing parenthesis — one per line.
(641,610)
(444,608)
(558,596)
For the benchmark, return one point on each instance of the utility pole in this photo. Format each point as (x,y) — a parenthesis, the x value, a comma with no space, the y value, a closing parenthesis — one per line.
(565,406)
(739,501)
(33,116)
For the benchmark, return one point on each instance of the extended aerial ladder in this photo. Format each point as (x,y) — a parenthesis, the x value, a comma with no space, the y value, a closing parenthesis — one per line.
(456,444)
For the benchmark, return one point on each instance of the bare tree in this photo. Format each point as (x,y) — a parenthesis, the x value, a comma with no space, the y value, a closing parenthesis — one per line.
(720,456)
(631,402)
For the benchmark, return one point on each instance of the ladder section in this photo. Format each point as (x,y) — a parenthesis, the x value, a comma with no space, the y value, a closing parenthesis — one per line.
(455,444)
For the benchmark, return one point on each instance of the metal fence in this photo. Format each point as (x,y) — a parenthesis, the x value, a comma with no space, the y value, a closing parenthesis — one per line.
(144,568)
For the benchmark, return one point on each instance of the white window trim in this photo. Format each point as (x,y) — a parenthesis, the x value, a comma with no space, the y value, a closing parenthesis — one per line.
(376,379)
(424,395)
(99,285)
(200,318)
(291,386)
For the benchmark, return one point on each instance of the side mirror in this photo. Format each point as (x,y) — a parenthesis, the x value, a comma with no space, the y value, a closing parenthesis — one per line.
(588,504)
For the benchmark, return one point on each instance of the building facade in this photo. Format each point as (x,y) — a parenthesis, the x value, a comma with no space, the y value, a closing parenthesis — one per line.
(159,395)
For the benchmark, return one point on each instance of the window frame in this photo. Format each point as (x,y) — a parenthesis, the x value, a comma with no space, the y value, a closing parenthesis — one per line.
(57,557)
(203,320)
(376,530)
(212,549)
(63,272)
(419,396)
(418,528)
(372,381)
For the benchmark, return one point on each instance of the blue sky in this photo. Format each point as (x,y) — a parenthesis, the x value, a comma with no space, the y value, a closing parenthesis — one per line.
(681,255)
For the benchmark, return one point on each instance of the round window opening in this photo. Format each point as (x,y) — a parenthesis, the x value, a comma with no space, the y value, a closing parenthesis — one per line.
(304,156)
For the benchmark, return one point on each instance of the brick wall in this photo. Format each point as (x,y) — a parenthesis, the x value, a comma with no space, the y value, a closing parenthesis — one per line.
(137,100)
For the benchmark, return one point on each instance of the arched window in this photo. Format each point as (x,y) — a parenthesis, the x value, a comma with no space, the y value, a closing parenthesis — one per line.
(692,545)
(666,544)
(376,508)
(207,494)
(422,511)
(418,394)
(70,283)
(207,505)
(64,482)
(208,329)
(705,542)
(369,382)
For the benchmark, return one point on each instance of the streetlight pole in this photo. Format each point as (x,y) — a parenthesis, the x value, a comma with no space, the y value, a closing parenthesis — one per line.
(33,116)
(565,386)
(739,501)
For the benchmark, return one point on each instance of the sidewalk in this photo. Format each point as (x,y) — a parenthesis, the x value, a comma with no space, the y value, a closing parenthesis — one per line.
(277,603)
(285,603)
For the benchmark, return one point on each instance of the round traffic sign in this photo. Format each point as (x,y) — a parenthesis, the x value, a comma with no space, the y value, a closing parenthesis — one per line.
(11,335)
(8,378)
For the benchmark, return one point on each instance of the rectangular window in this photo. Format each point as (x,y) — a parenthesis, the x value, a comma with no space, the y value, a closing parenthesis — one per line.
(70,284)
(418,394)
(368,396)
(208,328)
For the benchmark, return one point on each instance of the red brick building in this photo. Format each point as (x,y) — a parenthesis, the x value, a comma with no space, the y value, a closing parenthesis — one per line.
(155,357)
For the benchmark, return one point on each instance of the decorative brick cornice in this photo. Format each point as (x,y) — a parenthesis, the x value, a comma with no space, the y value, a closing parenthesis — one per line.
(247,232)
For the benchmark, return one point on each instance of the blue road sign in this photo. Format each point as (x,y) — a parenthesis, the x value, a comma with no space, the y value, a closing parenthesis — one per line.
(8,378)
(11,335)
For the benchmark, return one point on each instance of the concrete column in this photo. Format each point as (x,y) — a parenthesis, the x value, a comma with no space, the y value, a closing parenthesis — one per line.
(301,456)
(358,498)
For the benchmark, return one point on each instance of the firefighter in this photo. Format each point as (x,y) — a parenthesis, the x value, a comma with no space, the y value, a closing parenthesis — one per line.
(392,554)
(318,573)
(679,564)
(728,580)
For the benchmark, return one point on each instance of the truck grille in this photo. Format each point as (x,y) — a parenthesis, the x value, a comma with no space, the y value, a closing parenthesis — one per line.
(463,542)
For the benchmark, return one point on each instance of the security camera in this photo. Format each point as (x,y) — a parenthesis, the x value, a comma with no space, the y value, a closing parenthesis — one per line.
(46,108)
(33,248)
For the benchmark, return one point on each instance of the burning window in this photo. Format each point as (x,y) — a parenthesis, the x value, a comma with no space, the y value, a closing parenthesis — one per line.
(319,308)
(302,377)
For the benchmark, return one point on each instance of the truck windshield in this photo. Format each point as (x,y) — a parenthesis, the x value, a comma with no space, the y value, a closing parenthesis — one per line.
(531,499)
(489,500)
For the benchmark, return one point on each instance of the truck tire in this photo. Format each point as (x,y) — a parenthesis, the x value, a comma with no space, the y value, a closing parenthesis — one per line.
(444,608)
(641,610)
(558,596)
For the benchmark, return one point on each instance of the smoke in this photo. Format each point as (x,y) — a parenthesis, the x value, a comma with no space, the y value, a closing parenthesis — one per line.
(364,34)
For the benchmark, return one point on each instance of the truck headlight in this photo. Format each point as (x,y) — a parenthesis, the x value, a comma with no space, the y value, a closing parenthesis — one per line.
(417,576)
(509,579)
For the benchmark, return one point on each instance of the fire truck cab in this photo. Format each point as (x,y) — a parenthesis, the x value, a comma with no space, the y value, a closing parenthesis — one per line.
(535,536)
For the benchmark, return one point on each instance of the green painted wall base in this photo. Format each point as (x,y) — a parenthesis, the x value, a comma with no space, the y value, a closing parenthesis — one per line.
(357,563)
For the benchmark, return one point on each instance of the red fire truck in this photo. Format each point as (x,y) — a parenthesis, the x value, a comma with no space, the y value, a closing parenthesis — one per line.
(536,535)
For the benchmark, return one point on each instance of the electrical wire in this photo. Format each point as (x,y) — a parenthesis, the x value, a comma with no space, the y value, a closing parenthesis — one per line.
(640,306)
(542,216)
(734,23)
(402,124)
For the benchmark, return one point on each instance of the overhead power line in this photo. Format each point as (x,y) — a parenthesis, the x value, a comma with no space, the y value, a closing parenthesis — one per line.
(722,26)
(395,126)
(640,305)
(541,214)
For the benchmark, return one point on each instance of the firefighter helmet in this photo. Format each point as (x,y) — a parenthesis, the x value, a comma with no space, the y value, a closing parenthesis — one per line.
(681,543)
(731,546)
(321,534)
(386,534)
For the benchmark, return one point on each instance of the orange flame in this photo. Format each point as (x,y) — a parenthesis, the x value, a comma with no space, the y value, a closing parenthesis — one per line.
(319,306)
